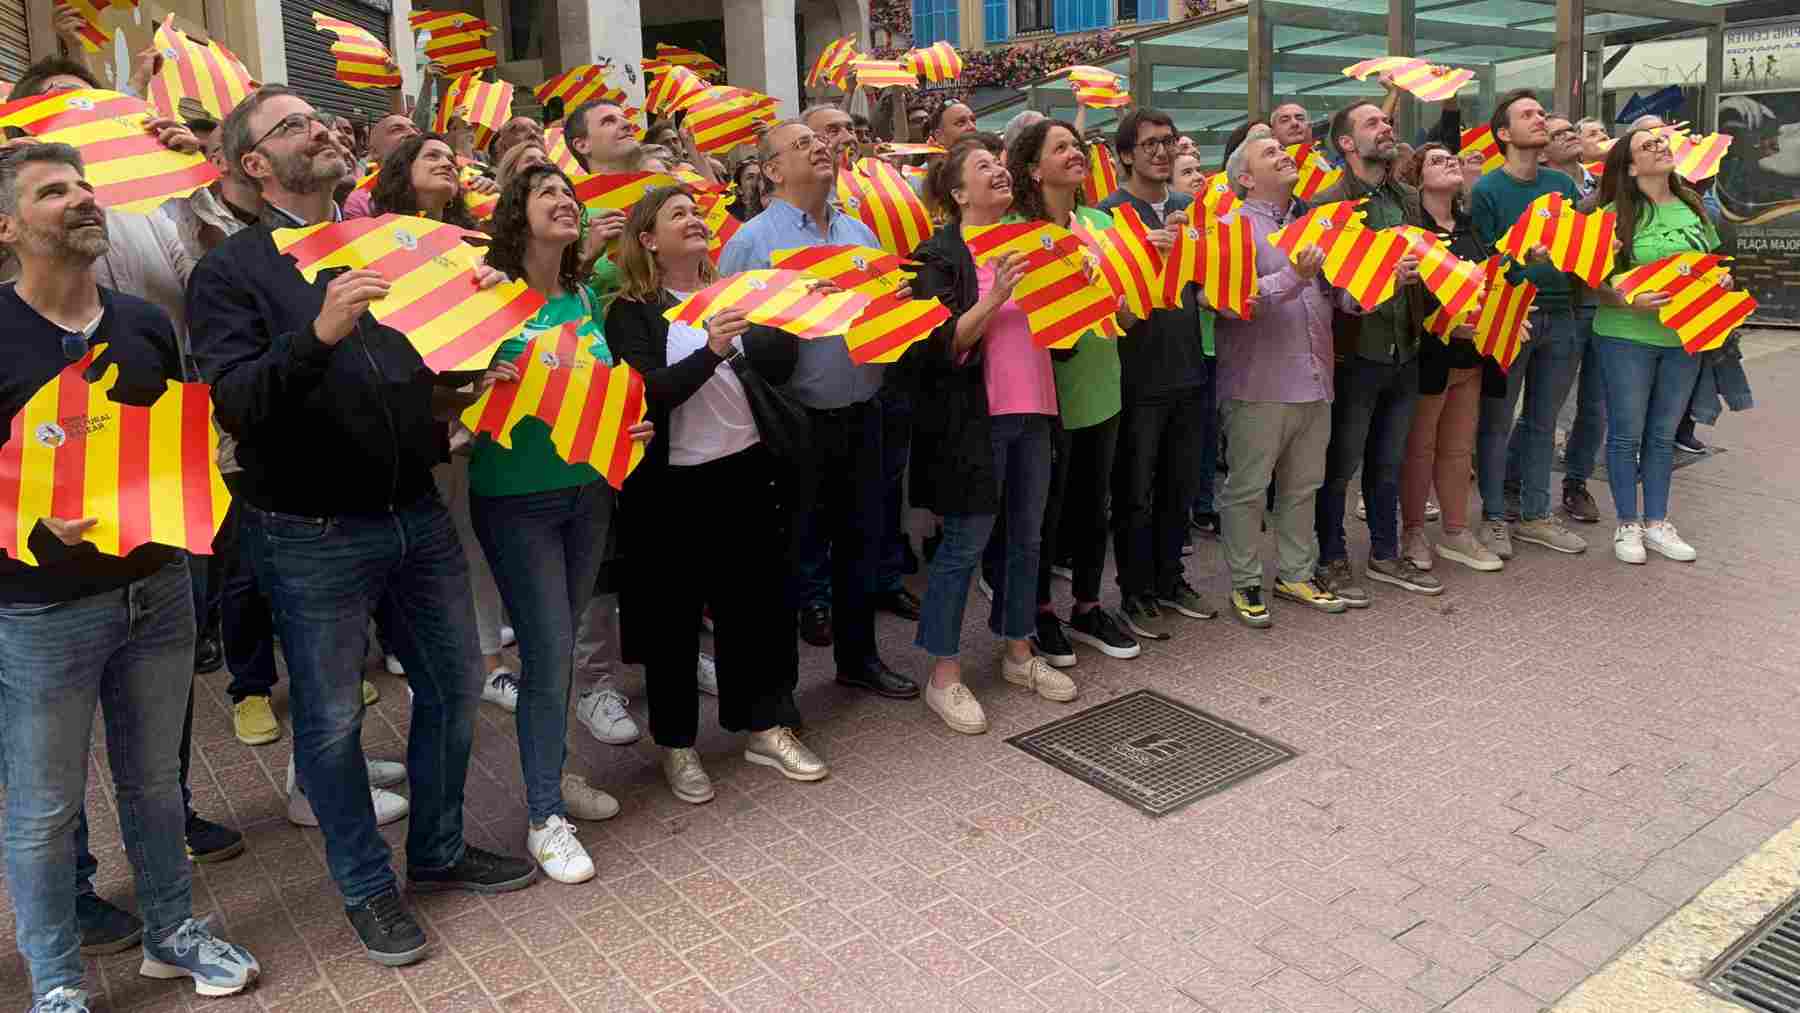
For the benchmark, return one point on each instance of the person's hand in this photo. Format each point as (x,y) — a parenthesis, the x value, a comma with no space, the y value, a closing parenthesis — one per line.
(172,134)
(642,432)
(1309,262)
(904,292)
(1009,270)
(1386,80)
(1539,254)
(1176,220)
(348,295)
(68,28)
(606,226)
(823,286)
(1525,331)
(1726,281)
(1162,239)
(1651,300)
(1467,333)
(487,277)
(70,532)
(723,327)
(482,184)
(1406,269)
(143,67)
(499,372)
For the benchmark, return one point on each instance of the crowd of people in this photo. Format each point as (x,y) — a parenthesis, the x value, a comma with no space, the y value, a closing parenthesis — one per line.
(770,508)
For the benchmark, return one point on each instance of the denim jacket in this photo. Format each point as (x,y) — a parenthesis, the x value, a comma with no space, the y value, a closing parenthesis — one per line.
(1721,377)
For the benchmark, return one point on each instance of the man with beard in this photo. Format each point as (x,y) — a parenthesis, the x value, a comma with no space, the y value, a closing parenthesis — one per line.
(333,416)
(80,625)
(847,512)
(1376,375)
(1163,387)
(1545,368)
(1565,154)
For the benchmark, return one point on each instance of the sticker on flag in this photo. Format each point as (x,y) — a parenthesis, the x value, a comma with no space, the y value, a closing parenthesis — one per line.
(145,473)
(833,64)
(1103,174)
(774,298)
(1131,266)
(1045,246)
(209,74)
(1424,79)
(938,63)
(1218,196)
(1098,88)
(1316,174)
(1579,244)
(1480,140)
(1361,261)
(455,41)
(1219,256)
(362,59)
(588,407)
(873,73)
(578,86)
(1318,227)
(1057,293)
(687,59)
(861,269)
(95,36)
(128,168)
(433,298)
(1701,310)
(879,196)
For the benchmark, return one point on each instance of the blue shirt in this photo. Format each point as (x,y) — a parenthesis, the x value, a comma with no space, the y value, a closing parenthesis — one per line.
(824,376)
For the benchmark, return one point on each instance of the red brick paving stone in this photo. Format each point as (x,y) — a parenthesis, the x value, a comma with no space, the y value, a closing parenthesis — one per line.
(842,888)
(576,968)
(765,993)
(681,926)
(1140,990)
(1433,940)
(1589,940)
(616,996)
(388,1000)
(1015,958)
(440,972)
(650,966)
(1504,941)
(505,969)
(672,859)
(1092,958)
(723,963)
(691,996)
(1670,881)
(709,890)
(751,925)
(546,929)
(1381,993)
(1441,984)
(1308,952)
(354,977)
(797,963)
(1169,958)
(1225,950)
(736,857)
(889,922)
(1544,972)
(1631,909)
(611,928)
(1494,996)
(1375,951)
(960,922)
(643,893)
(1067,993)
(992,993)
(320,1001)
(473,933)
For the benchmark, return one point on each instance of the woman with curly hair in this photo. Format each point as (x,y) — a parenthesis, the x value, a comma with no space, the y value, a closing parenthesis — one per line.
(541,520)
(422,178)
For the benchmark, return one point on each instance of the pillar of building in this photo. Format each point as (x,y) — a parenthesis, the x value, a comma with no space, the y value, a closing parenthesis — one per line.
(578,32)
(760,50)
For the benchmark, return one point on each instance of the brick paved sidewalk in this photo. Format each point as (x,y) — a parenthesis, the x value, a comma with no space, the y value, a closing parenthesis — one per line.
(1499,789)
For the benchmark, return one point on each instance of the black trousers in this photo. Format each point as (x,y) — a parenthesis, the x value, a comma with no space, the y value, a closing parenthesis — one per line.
(1154,478)
(849,512)
(1075,519)
(246,630)
(713,535)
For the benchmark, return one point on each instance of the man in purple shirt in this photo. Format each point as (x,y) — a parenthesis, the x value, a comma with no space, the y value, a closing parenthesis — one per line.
(1274,391)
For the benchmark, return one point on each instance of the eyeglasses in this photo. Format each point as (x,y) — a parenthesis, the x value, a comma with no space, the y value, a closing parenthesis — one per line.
(1442,161)
(1654,143)
(289,124)
(806,144)
(1155,144)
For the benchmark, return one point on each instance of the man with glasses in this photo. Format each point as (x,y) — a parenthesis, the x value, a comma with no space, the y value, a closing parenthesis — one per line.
(1164,387)
(1568,146)
(81,627)
(847,510)
(340,515)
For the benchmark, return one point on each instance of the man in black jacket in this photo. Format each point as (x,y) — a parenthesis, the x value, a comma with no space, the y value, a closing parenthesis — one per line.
(333,416)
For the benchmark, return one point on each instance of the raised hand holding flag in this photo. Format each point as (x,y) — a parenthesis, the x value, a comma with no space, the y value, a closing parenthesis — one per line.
(362,60)
(1426,80)
(1580,244)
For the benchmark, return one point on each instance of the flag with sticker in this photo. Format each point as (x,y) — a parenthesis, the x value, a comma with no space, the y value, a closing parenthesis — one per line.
(1131,266)
(1499,321)
(1219,255)
(833,64)
(363,61)
(145,473)
(672,89)
(1455,283)
(1098,88)
(1361,261)
(938,63)
(209,74)
(1422,78)
(455,41)
(873,73)
(485,106)
(588,407)
(94,34)
(127,166)
(618,191)
(1579,244)
(1058,292)
(724,117)
(878,196)
(1316,174)
(578,86)
(774,298)
(1697,157)
(1218,197)
(1318,227)
(1480,140)
(434,297)
(686,59)
(861,269)
(1701,310)
(1103,174)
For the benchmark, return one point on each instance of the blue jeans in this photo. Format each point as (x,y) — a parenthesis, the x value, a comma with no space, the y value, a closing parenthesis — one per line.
(544,549)
(1022,462)
(1588,434)
(1371,416)
(131,650)
(1544,371)
(1647,390)
(324,576)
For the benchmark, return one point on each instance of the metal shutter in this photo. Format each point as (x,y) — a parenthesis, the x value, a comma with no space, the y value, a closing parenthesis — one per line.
(312,71)
(15,41)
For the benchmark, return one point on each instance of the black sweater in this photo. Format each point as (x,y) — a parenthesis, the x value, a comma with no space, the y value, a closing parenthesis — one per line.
(322,430)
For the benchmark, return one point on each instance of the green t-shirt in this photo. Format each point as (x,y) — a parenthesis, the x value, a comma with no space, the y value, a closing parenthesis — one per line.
(1497,203)
(1087,384)
(1207,320)
(532,465)
(1669,229)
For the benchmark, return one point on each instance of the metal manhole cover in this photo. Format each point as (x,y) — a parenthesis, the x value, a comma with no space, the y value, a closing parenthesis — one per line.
(1762,970)
(1152,752)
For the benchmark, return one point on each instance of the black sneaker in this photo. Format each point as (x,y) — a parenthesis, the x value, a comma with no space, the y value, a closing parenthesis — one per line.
(1187,601)
(815,625)
(209,657)
(389,933)
(478,872)
(210,842)
(1144,617)
(1578,504)
(1685,440)
(1097,629)
(105,927)
(1050,642)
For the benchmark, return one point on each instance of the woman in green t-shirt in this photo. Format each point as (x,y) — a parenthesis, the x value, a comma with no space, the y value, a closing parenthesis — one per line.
(542,521)
(1649,375)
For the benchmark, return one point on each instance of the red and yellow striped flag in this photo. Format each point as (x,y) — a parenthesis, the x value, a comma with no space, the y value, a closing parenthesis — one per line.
(899,150)
(862,269)
(559,153)
(1481,139)
(1219,256)
(891,325)
(363,60)
(128,168)
(675,56)
(486,105)
(723,117)
(1359,260)
(456,41)
(481,205)
(578,86)
(672,89)
(721,237)
(1318,227)
(1130,265)
(873,73)
(618,191)
(1412,74)
(1316,174)
(1058,292)
(1499,320)
(434,298)
(833,64)
(880,198)
(938,63)
(1103,174)
(1098,88)
(1697,158)
(1700,310)
(1580,244)
(1218,197)
(146,474)
(1455,283)
(368,181)
(95,36)
(588,407)
(1043,244)
(774,298)
(209,74)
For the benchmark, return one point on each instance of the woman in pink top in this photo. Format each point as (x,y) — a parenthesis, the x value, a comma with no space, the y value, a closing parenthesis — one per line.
(983,432)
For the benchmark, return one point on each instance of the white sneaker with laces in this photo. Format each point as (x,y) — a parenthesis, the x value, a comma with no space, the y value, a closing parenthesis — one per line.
(1628,543)
(385,773)
(555,848)
(602,710)
(502,688)
(389,807)
(393,666)
(1661,536)
(707,673)
(957,706)
(587,802)
(508,636)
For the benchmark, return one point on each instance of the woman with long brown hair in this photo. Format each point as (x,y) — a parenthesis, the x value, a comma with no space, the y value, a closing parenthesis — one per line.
(709,508)
(421,178)
(1649,375)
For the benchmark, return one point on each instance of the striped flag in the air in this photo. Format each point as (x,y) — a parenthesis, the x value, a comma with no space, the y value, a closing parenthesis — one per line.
(833,64)
(95,36)
(1697,156)
(675,56)
(1700,310)
(1103,174)
(938,63)
(363,60)
(1058,292)
(672,89)
(774,298)
(1579,244)
(873,73)
(578,86)
(1098,88)
(1316,174)
(879,196)
(209,74)
(724,117)
(588,407)
(1218,197)
(891,323)
(1361,261)
(1455,283)
(456,41)
(1420,77)
(145,473)
(128,168)
(559,153)
(434,298)
(1131,266)
(484,105)
(1481,139)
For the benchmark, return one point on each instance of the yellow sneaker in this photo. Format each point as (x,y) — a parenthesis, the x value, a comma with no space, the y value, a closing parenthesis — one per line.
(254,721)
(370,693)
(1307,592)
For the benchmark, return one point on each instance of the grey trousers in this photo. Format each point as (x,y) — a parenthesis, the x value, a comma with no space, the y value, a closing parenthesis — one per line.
(1267,440)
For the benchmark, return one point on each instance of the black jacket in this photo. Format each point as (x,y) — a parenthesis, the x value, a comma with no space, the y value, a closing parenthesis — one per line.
(322,430)
(1437,358)
(1163,357)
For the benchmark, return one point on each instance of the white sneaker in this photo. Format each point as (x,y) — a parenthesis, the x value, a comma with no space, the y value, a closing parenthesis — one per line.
(957,706)
(587,802)
(1362,508)
(508,636)
(555,848)
(1432,510)
(389,807)
(707,672)
(394,667)
(1035,674)
(602,710)
(1661,536)
(987,589)
(386,773)
(1628,543)
(502,687)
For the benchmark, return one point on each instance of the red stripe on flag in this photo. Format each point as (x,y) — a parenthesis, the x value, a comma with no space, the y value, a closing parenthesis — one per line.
(1716,331)
(196,470)
(477,339)
(556,388)
(134,475)
(620,464)
(69,116)
(399,262)
(1701,303)
(501,397)
(330,239)
(10,457)
(165,184)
